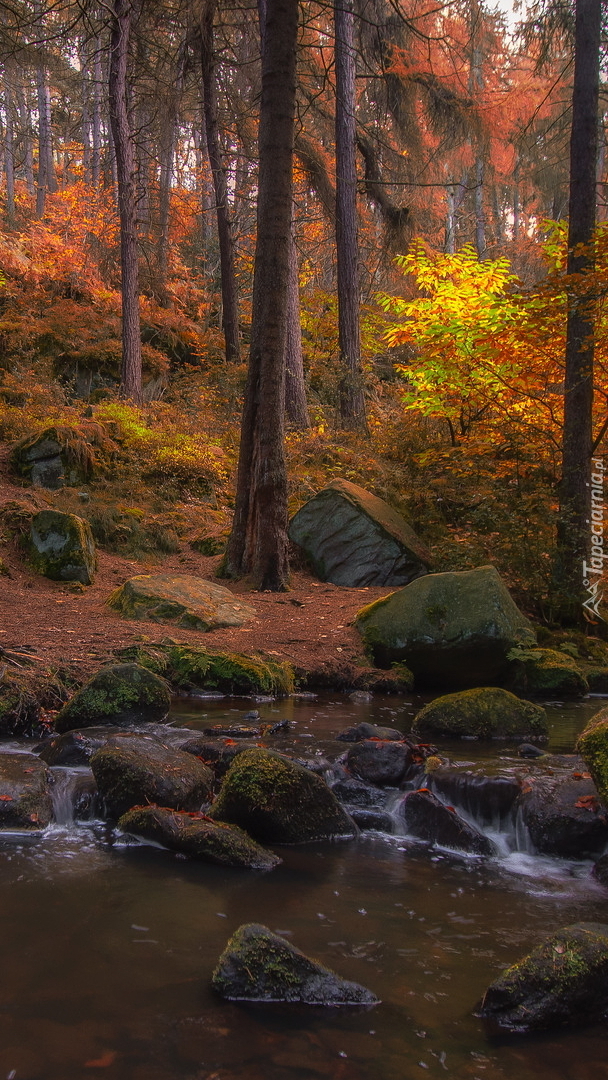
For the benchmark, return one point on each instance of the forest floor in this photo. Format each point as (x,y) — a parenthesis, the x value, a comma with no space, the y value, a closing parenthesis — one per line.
(309,626)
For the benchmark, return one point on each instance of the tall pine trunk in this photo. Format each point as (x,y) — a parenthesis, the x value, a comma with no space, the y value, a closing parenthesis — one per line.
(123,13)
(258,541)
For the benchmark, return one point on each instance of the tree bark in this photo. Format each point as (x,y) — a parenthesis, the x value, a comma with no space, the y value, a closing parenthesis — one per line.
(123,12)
(168,143)
(575,499)
(9,144)
(230,312)
(296,407)
(258,541)
(351,400)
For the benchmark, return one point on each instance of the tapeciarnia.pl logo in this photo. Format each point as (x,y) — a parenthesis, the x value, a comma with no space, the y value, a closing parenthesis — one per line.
(593,571)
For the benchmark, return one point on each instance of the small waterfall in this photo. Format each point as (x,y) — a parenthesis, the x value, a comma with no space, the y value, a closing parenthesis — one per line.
(73,793)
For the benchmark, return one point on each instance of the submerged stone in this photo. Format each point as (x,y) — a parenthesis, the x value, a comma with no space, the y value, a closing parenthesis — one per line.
(452,629)
(118,694)
(61,547)
(25,802)
(258,965)
(132,770)
(279,801)
(353,538)
(561,983)
(369,731)
(190,602)
(486,712)
(194,834)
(428,819)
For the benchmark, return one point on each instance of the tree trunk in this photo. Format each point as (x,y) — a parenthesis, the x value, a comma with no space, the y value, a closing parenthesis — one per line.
(122,19)
(230,312)
(296,407)
(575,497)
(352,402)
(258,541)
(25,126)
(168,143)
(9,145)
(96,116)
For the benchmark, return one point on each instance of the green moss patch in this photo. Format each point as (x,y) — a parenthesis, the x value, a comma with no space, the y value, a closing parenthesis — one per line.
(196,835)
(118,694)
(486,712)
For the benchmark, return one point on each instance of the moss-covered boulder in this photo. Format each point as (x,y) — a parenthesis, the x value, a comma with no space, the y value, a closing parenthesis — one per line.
(44,459)
(189,602)
(546,672)
(452,629)
(486,712)
(25,802)
(118,694)
(353,538)
(61,547)
(279,801)
(133,770)
(561,983)
(229,673)
(429,819)
(257,965)
(592,745)
(194,834)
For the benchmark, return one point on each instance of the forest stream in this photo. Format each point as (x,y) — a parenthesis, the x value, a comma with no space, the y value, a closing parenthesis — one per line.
(110,944)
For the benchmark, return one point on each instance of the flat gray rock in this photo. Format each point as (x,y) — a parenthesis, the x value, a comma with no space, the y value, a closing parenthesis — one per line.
(189,602)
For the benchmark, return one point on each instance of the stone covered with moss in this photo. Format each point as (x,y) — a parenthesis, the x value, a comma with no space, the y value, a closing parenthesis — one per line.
(61,547)
(486,712)
(561,983)
(230,673)
(592,745)
(451,629)
(189,602)
(118,694)
(257,965)
(353,538)
(194,834)
(546,672)
(133,770)
(25,802)
(279,801)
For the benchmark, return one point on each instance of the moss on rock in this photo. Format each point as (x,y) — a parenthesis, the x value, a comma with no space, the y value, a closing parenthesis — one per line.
(194,834)
(190,602)
(592,745)
(25,802)
(132,770)
(118,694)
(231,673)
(546,672)
(486,712)
(258,965)
(61,547)
(279,801)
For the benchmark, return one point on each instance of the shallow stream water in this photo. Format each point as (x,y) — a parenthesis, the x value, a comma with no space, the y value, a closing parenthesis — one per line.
(107,948)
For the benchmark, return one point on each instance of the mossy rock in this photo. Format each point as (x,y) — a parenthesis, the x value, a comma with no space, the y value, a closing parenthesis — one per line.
(592,745)
(257,965)
(23,694)
(546,672)
(486,712)
(230,673)
(561,983)
(134,770)
(451,629)
(194,834)
(61,547)
(118,694)
(190,602)
(25,802)
(279,801)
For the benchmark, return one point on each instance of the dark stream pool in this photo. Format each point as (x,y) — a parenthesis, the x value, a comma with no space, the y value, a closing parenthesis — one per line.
(107,949)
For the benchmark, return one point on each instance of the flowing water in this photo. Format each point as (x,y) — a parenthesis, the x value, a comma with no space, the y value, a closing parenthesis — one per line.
(107,947)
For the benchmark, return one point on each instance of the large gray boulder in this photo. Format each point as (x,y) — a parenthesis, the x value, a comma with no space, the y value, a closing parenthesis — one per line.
(257,965)
(138,770)
(61,547)
(190,602)
(453,629)
(353,538)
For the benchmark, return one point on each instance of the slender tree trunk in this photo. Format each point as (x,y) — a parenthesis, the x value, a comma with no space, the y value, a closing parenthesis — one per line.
(230,311)
(352,402)
(96,115)
(296,406)
(575,499)
(46,171)
(258,541)
(480,218)
(9,146)
(123,14)
(167,156)
(25,126)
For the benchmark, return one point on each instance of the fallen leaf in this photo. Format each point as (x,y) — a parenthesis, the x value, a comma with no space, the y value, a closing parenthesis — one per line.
(102,1062)
(586,802)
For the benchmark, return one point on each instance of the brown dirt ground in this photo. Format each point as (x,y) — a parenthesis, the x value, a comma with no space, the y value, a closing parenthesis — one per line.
(308,626)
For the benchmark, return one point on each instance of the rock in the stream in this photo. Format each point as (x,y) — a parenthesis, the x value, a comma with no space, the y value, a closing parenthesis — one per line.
(600,870)
(561,983)
(61,547)
(592,745)
(428,819)
(118,694)
(194,834)
(354,792)
(215,752)
(25,802)
(279,801)
(381,763)
(369,731)
(486,712)
(488,799)
(546,672)
(258,965)
(75,747)
(452,629)
(133,770)
(190,602)
(353,538)
(564,816)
